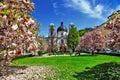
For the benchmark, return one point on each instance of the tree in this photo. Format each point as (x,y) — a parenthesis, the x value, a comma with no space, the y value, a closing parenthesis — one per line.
(98,40)
(83,31)
(43,44)
(85,42)
(92,41)
(17,28)
(114,26)
(73,37)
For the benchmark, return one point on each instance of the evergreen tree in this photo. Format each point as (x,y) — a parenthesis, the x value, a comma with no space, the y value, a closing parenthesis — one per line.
(73,37)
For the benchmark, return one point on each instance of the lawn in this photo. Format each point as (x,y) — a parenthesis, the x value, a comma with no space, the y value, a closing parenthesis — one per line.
(66,67)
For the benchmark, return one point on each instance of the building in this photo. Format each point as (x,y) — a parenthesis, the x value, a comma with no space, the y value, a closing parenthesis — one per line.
(62,34)
(57,39)
(52,39)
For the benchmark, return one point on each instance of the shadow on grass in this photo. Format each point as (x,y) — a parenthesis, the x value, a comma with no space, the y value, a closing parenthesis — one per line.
(10,70)
(105,71)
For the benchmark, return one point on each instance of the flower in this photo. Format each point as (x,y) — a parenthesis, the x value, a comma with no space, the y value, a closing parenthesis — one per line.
(14,27)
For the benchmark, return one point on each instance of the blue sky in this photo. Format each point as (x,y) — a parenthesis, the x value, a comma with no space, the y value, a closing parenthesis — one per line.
(83,13)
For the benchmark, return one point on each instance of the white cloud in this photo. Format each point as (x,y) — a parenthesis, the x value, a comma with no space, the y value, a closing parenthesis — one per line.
(56,9)
(91,9)
(55,5)
(84,6)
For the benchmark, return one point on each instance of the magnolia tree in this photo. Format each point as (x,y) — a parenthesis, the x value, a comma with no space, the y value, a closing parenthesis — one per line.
(92,41)
(85,42)
(43,44)
(114,35)
(17,28)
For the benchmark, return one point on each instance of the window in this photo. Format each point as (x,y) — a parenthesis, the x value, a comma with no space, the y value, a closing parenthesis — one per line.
(51,32)
(62,41)
(61,34)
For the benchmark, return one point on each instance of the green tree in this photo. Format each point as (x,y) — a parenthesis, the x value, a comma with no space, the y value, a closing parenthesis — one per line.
(73,37)
(83,31)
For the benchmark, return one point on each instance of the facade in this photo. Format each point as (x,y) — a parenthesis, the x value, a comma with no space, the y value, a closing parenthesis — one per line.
(58,39)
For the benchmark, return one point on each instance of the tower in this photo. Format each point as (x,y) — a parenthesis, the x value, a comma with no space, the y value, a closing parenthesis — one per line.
(62,34)
(51,36)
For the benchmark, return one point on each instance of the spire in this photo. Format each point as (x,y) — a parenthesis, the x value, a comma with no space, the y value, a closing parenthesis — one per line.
(61,23)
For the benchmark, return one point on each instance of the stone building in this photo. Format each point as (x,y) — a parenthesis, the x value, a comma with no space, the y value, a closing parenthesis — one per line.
(57,39)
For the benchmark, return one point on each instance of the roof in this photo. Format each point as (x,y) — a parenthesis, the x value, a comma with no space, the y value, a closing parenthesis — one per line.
(62,28)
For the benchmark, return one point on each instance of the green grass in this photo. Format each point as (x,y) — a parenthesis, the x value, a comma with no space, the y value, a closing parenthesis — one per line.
(67,66)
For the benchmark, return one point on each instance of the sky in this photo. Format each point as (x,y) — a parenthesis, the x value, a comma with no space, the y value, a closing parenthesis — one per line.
(83,13)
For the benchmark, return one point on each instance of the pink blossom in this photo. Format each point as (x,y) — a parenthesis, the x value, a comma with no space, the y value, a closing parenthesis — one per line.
(93,40)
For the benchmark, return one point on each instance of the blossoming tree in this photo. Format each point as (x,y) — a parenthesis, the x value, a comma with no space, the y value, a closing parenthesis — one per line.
(114,26)
(92,41)
(17,28)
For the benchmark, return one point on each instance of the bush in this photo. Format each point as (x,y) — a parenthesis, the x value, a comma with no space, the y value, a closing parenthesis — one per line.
(106,71)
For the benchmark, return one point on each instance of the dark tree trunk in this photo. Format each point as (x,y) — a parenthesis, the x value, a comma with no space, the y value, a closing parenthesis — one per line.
(98,50)
(92,52)
(73,50)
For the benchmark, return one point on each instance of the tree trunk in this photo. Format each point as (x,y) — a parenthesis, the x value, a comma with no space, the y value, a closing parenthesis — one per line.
(73,50)
(93,53)
(6,58)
